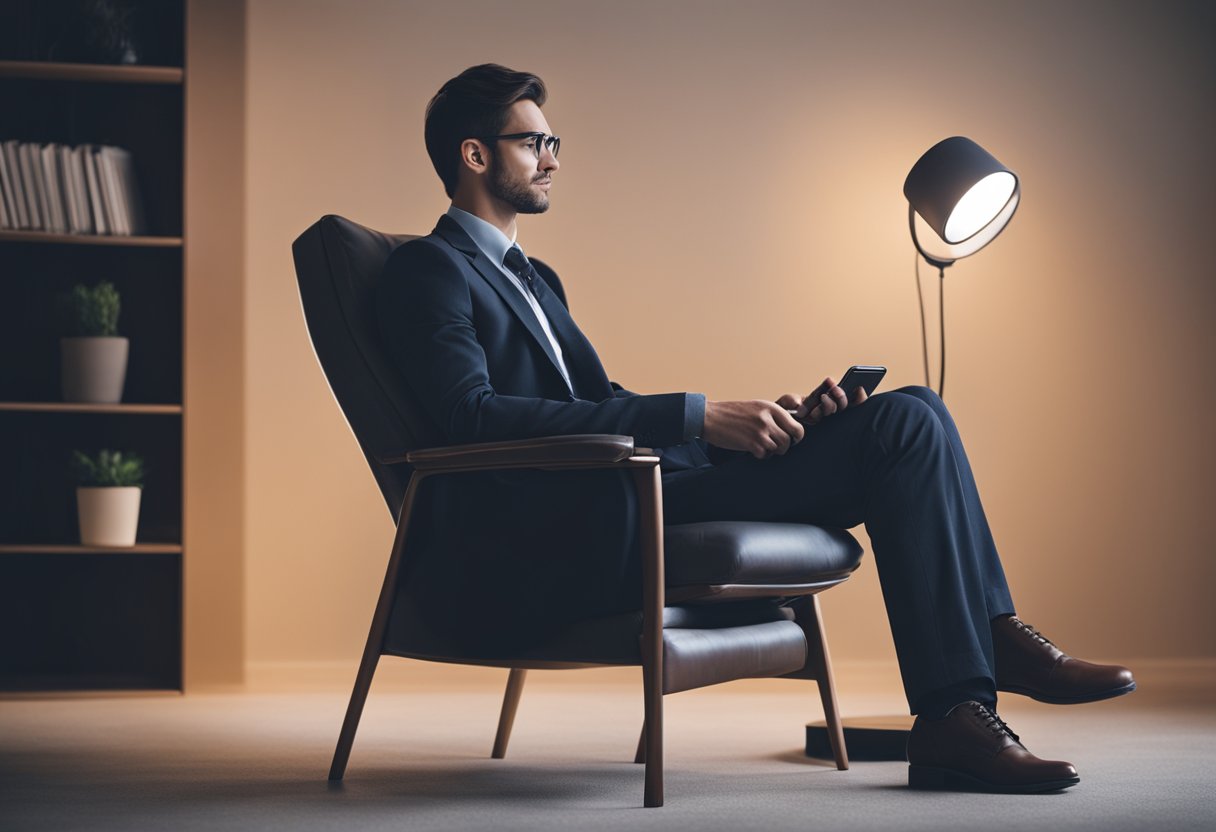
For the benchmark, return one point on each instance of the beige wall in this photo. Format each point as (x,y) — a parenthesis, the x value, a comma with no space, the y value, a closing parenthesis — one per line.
(214,521)
(728,218)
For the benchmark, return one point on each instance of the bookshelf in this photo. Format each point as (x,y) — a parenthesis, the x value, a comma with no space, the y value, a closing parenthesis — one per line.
(76,617)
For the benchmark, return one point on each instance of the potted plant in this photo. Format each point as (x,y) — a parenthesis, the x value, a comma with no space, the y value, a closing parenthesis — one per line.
(94,366)
(107,497)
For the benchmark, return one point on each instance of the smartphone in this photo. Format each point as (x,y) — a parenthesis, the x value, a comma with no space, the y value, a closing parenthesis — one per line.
(864,376)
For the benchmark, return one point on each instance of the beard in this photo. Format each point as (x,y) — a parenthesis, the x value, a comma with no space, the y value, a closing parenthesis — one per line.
(519,195)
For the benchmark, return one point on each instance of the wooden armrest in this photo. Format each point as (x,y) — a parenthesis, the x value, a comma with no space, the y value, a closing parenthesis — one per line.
(591,449)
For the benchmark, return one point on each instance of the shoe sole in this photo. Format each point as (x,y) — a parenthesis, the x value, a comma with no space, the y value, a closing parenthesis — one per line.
(947,779)
(1072,700)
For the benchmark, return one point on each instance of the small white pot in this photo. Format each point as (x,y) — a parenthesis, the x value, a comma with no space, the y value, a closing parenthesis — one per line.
(93,369)
(108,516)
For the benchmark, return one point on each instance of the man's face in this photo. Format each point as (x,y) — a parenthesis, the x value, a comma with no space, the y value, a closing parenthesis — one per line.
(515,175)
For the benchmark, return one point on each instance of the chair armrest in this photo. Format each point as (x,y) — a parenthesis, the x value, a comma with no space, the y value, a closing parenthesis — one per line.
(590,449)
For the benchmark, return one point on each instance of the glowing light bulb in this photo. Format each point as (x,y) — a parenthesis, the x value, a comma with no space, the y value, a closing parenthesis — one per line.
(980,205)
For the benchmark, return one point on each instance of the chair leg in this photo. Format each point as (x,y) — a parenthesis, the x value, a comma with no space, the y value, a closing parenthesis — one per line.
(653,732)
(354,710)
(650,505)
(640,755)
(510,704)
(820,660)
(375,637)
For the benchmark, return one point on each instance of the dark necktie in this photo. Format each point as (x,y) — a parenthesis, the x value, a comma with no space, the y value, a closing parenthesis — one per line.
(522,268)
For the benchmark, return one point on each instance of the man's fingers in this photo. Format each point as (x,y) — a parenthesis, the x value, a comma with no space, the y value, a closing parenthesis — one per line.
(764,447)
(782,441)
(839,398)
(788,425)
(790,401)
(860,395)
(815,414)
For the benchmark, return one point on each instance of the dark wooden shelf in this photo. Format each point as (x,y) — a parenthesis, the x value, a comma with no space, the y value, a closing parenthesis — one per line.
(81,549)
(82,407)
(87,239)
(103,73)
(74,616)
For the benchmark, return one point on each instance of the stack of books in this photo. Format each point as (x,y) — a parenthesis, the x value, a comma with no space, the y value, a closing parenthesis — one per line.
(89,189)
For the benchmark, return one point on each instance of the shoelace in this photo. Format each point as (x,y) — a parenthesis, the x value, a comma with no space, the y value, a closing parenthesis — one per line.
(994,722)
(1032,632)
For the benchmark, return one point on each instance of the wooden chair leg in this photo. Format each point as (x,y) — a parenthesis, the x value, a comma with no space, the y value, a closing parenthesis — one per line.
(375,638)
(354,710)
(640,755)
(510,704)
(650,506)
(820,660)
(652,684)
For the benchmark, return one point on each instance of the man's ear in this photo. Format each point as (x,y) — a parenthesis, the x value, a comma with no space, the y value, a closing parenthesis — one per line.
(474,154)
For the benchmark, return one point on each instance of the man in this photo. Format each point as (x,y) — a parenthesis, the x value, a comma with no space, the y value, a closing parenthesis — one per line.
(484,339)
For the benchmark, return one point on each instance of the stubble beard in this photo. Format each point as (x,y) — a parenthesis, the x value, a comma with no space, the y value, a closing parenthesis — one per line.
(519,195)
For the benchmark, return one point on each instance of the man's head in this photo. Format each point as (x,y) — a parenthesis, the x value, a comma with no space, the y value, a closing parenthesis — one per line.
(477,135)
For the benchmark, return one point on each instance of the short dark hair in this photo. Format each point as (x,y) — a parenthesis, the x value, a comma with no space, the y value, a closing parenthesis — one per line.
(473,104)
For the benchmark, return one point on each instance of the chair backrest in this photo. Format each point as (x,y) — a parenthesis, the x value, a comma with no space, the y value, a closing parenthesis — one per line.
(338,264)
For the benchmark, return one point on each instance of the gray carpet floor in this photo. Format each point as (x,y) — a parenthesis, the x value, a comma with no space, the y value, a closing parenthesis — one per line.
(421,761)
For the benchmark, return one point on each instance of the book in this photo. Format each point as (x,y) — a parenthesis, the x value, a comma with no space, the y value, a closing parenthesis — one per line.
(74,159)
(52,187)
(108,175)
(32,182)
(11,157)
(128,191)
(7,193)
(71,201)
(101,220)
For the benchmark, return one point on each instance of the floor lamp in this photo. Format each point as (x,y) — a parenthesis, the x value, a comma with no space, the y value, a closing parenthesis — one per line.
(959,199)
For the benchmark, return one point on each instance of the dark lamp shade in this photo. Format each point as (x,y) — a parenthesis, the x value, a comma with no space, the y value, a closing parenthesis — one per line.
(961,192)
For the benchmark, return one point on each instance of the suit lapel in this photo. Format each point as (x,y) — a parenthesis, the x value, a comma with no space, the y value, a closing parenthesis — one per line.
(586,370)
(450,230)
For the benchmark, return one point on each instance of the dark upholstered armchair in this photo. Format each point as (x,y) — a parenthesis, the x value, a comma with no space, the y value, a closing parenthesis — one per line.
(720,601)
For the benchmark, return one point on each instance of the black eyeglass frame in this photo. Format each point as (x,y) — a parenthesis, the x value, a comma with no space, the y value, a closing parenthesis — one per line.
(554,143)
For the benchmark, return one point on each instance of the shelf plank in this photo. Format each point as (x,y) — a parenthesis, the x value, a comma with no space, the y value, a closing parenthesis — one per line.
(87,239)
(81,549)
(81,407)
(103,73)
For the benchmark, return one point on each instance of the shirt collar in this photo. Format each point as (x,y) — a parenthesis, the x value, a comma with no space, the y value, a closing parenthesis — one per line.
(490,239)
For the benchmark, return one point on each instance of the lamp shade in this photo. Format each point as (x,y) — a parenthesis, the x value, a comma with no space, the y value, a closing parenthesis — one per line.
(964,196)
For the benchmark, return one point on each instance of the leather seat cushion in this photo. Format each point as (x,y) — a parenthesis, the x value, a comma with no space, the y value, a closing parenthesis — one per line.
(697,658)
(739,552)
(611,639)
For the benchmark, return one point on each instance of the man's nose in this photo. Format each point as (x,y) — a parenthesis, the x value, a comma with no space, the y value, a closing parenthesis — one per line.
(548,162)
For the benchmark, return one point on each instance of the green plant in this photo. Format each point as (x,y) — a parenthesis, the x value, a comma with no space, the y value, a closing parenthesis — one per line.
(108,468)
(90,312)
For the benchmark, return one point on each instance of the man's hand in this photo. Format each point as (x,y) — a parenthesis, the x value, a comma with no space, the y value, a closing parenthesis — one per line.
(822,402)
(761,428)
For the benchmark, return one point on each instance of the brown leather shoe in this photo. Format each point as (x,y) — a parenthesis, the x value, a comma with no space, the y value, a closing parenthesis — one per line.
(1029,664)
(972,749)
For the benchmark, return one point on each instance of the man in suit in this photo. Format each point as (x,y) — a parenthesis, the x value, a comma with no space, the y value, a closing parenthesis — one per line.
(484,338)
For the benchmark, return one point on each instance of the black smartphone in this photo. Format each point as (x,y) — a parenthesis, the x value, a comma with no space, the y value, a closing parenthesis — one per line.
(864,376)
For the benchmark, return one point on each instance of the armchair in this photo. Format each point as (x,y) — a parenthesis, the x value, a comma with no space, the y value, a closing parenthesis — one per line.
(719,601)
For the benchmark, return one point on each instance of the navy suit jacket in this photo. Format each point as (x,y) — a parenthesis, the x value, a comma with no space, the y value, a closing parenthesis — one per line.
(525,549)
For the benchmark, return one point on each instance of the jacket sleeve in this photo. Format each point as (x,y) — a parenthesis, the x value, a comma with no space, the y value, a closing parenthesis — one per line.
(425,314)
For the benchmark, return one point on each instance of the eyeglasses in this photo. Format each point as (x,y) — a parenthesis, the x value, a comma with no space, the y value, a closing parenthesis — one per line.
(541,140)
